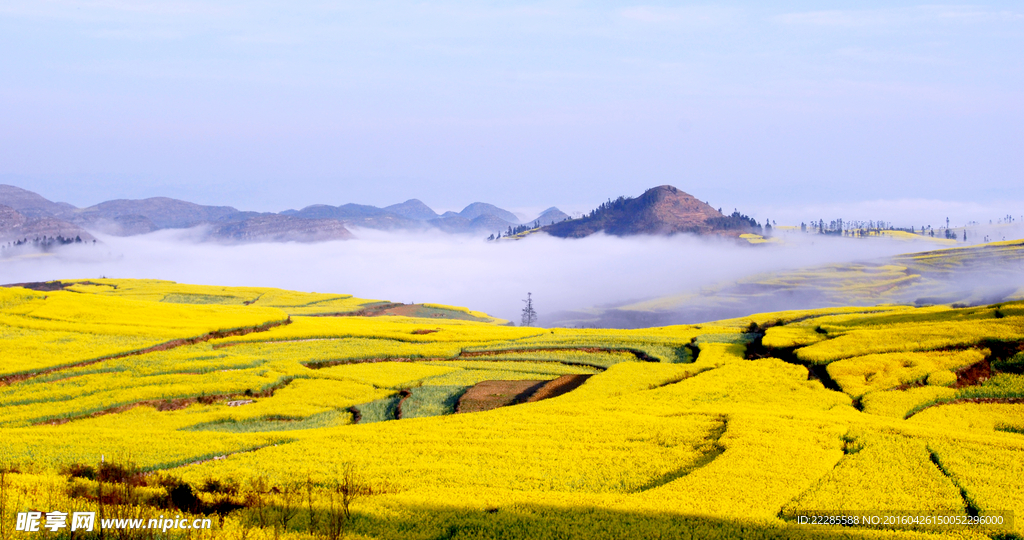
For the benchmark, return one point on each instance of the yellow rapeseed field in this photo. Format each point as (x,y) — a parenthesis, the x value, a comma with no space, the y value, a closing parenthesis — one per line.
(727,429)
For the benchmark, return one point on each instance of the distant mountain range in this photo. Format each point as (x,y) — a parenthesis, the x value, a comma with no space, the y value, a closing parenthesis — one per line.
(28,217)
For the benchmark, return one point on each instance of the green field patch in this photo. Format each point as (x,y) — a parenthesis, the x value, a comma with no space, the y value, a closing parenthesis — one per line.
(432,401)
(380,410)
(469,377)
(279,423)
(525,366)
(184,298)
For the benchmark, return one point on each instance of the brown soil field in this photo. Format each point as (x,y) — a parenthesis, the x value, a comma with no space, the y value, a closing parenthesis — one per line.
(559,386)
(488,395)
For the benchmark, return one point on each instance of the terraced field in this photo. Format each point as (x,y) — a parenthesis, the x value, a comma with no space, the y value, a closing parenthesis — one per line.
(141,398)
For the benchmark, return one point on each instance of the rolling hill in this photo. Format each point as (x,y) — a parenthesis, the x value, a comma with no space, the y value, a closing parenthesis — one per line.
(661,210)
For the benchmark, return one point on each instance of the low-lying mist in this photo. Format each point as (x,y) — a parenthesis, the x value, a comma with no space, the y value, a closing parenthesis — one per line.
(494,277)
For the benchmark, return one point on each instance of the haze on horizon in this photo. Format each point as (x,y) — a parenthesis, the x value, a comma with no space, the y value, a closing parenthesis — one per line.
(431,267)
(775,110)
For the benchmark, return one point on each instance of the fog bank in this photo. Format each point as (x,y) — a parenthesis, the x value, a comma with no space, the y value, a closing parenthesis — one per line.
(457,270)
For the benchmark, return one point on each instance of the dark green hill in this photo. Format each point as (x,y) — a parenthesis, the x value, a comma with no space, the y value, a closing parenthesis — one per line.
(659,211)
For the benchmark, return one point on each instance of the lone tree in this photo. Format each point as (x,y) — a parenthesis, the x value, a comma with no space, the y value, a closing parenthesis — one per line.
(529,315)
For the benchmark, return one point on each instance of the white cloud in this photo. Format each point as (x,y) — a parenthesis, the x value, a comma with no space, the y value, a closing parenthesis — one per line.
(895,16)
(837,18)
(688,14)
(99,9)
(458,270)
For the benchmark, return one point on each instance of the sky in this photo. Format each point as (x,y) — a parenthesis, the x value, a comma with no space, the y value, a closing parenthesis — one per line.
(775,110)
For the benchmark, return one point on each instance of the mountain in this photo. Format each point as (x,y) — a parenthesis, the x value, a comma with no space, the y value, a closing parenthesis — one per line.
(15,226)
(660,210)
(30,204)
(124,225)
(278,228)
(413,214)
(412,209)
(163,212)
(456,224)
(11,219)
(549,216)
(357,215)
(489,222)
(451,222)
(476,218)
(478,209)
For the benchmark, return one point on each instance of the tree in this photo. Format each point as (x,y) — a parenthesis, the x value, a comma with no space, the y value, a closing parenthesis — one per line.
(529,315)
(346,488)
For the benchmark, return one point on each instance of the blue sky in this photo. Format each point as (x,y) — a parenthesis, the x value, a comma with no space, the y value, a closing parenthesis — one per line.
(275,105)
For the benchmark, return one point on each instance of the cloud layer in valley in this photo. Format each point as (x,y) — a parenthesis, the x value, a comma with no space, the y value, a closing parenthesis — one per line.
(456,270)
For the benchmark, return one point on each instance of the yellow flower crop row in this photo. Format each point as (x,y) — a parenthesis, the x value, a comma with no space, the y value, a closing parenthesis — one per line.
(525,366)
(716,446)
(496,449)
(469,377)
(877,460)
(862,374)
(398,328)
(601,359)
(63,328)
(69,399)
(898,404)
(749,386)
(767,462)
(989,476)
(325,351)
(974,416)
(1004,385)
(467,311)
(386,374)
(461,373)
(291,302)
(909,337)
(782,337)
(11,297)
(301,398)
(28,350)
(54,447)
(68,311)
